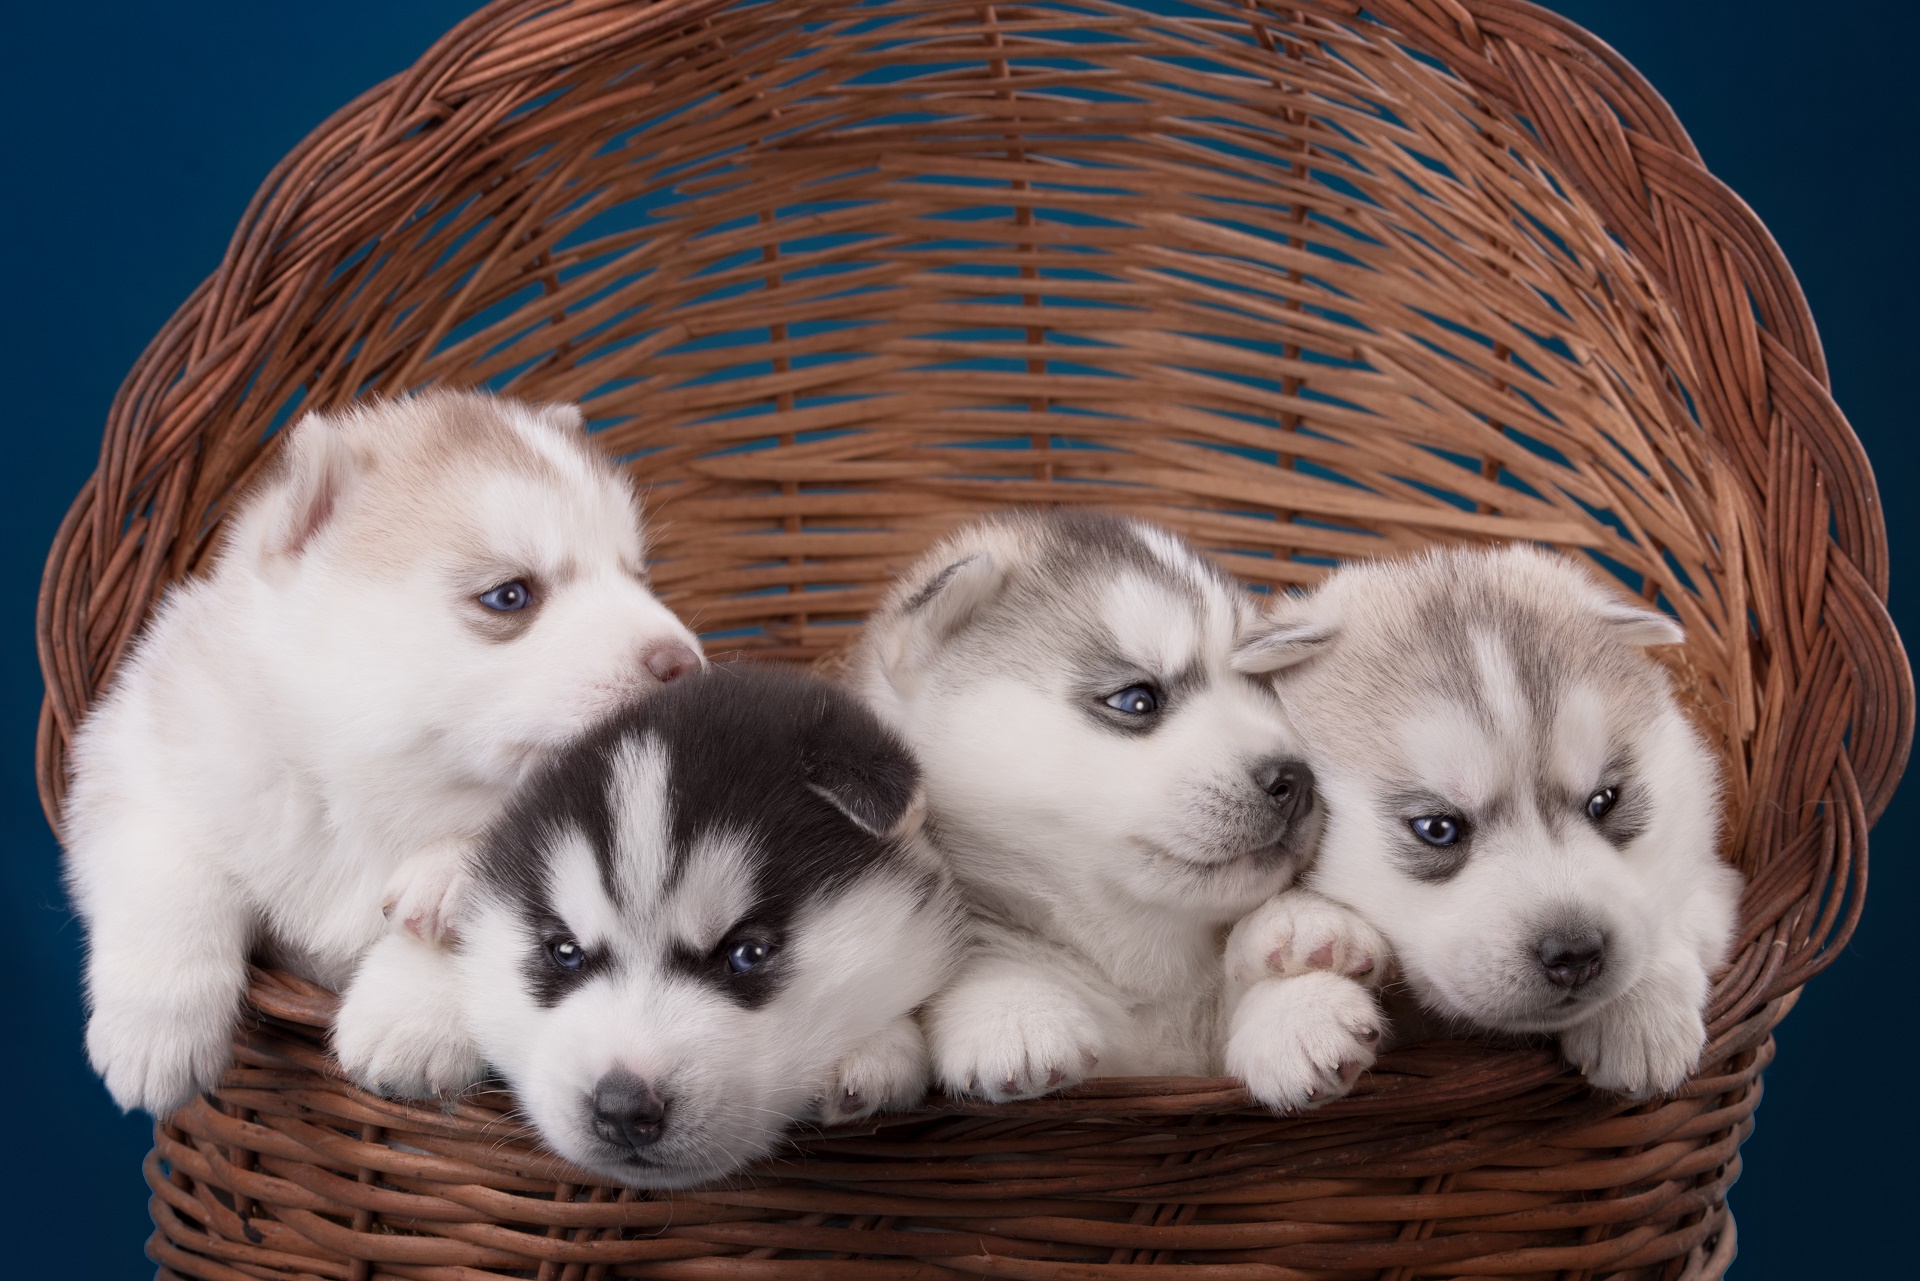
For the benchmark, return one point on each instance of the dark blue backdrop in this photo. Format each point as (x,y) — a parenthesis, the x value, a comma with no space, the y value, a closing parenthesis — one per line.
(138,135)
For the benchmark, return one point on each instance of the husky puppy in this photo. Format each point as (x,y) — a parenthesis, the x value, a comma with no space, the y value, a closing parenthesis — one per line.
(1112,791)
(1515,800)
(712,916)
(423,597)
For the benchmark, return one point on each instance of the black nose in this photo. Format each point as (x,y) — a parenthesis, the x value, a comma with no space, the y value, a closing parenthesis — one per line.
(627,1111)
(1573,960)
(1288,782)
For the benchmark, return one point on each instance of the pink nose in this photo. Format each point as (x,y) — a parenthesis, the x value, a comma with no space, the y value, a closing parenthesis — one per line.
(671,661)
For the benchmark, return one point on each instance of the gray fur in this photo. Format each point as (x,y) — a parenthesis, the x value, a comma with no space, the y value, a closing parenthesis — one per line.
(1509,691)
(1105,851)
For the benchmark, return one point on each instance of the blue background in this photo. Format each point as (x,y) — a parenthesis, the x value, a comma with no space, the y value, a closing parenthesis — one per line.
(136,137)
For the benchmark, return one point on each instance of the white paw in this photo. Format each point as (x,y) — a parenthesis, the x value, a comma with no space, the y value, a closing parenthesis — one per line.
(424,895)
(156,1058)
(1645,1042)
(400,1030)
(1299,1041)
(888,1072)
(1299,932)
(1007,1040)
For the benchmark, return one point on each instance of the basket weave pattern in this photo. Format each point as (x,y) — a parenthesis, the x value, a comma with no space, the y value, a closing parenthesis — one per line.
(1303,282)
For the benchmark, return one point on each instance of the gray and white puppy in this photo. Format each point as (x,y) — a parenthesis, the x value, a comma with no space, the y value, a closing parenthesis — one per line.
(1113,792)
(1515,800)
(711,917)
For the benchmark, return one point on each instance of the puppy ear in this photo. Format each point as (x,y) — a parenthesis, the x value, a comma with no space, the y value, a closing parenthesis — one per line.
(1294,632)
(320,467)
(1632,625)
(867,774)
(939,608)
(562,417)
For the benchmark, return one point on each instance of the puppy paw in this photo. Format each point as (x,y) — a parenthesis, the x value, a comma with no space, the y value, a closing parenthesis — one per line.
(888,1072)
(400,1030)
(1644,1043)
(424,894)
(1298,1042)
(1007,1041)
(157,1058)
(1299,932)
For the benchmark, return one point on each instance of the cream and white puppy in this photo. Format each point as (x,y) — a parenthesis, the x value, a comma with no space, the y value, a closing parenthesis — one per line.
(1113,791)
(1515,800)
(422,598)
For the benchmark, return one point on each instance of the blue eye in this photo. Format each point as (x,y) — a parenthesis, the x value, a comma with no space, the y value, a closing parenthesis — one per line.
(742,957)
(567,954)
(1601,803)
(507,597)
(1135,700)
(1437,829)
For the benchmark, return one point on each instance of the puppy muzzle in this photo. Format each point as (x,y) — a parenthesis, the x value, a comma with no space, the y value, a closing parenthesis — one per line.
(628,1113)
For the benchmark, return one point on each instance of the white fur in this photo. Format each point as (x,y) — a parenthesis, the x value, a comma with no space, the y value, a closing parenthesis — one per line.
(1104,866)
(837,1044)
(313,729)
(1410,682)
(402,1028)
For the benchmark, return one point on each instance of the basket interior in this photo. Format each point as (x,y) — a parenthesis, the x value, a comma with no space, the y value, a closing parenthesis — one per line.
(833,283)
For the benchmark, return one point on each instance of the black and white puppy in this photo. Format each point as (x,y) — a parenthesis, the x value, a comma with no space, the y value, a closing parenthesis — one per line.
(711,917)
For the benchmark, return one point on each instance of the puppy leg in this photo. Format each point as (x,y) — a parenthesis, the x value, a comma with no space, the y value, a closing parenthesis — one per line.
(1299,1041)
(423,895)
(167,940)
(1299,932)
(1006,1030)
(402,1028)
(1647,1040)
(887,1072)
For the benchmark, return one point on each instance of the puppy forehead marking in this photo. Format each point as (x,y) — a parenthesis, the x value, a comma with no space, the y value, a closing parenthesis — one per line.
(576,891)
(565,453)
(1168,550)
(1448,749)
(1223,607)
(1501,695)
(714,891)
(1579,744)
(1150,622)
(641,860)
(534,520)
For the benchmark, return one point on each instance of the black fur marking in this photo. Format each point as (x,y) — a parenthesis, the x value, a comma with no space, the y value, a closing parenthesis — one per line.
(545,979)
(569,795)
(754,988)
(749,749)
(933,586)
(871,783)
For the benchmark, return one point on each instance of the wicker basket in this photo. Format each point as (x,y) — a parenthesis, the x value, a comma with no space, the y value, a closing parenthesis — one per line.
(1307,283)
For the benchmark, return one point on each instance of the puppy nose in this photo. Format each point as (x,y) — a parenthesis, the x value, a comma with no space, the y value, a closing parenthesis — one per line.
(1288,782)
(627,1111)
(1573,960)
(670,661)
